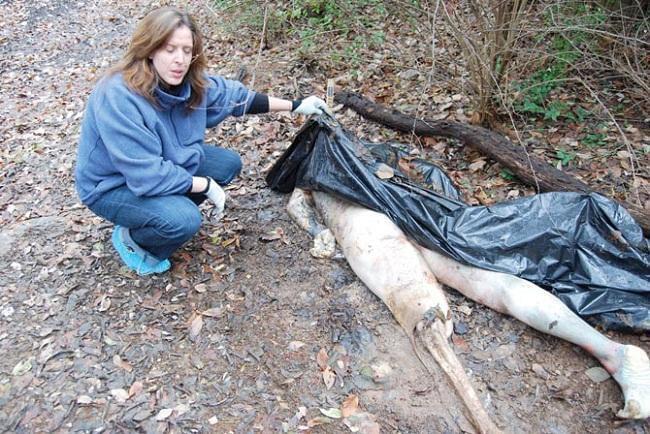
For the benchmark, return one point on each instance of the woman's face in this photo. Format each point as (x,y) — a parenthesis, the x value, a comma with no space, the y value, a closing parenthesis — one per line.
(172,60)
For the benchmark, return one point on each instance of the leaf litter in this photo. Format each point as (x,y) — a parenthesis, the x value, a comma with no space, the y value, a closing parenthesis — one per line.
(237,337)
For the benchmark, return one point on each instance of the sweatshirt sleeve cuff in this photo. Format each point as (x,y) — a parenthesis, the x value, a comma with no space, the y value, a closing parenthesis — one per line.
(260,104)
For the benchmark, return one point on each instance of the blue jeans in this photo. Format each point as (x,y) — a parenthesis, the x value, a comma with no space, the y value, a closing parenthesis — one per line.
(161,224)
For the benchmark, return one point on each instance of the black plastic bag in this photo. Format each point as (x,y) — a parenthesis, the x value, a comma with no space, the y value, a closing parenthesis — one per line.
(586,249)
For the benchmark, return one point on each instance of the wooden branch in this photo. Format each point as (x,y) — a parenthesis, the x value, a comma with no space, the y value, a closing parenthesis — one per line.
(542,176)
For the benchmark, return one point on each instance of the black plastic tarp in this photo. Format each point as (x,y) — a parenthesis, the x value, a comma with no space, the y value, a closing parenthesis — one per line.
(584,248)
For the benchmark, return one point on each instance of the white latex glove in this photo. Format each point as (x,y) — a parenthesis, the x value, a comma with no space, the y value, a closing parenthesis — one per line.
(312,105)
(216,195)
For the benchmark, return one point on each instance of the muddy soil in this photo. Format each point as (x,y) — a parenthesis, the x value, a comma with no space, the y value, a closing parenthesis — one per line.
(248,332)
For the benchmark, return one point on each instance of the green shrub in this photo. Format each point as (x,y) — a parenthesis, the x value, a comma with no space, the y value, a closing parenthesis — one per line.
(569,39)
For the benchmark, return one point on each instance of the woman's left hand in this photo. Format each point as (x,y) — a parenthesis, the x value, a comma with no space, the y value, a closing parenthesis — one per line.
(216,195)
(312,105)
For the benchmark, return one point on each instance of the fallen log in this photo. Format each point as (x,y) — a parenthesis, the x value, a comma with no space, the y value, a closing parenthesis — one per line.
(528,168)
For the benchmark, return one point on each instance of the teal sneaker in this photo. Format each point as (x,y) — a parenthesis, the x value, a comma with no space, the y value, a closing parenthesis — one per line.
(134,256)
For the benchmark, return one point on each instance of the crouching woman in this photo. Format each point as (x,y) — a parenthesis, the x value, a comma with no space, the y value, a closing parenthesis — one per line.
(142,162)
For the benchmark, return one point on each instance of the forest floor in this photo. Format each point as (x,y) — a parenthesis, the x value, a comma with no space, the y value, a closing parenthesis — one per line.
(237,336)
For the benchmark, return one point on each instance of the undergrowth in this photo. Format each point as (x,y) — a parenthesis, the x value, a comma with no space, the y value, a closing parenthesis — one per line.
(569,43)
(332,32)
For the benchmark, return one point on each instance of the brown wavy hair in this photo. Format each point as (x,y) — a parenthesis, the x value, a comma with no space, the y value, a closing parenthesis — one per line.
(151,34)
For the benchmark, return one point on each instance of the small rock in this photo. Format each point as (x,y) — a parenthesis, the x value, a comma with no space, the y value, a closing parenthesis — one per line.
(460,345)
(597,374)
(295,345)
(141,415)
(120,395)
(504,351)
(7,311)
(181,409)
(460,328)
(409,74)
(540,371)
(84,399)
(381,371)
(256,352)
(164,414)
(511,364)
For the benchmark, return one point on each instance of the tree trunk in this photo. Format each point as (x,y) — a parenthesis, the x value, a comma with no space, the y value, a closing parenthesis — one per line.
(528,168)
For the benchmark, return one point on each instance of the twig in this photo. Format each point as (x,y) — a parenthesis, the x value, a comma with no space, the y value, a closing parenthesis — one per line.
(259,50)
(501,94)
(53,356)
(65,416)
(432,23)
(13,427)
(625,140)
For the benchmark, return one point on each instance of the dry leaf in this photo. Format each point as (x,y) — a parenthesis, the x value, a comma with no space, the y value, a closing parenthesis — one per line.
(135,389)
(164,414)
(362,422)
(201,288)
(120,395)
(625,164)
(181,409)
(597,374)
(22,368)
(405,166)
(213,312)
(482,197)
(477,165)
(513,194)
(151,302)
(440,99)
(384,171)
(318,420)
(440,147)
(275,234)
(117,360)
(195,327)
(104,303)
(322,358)
(350,405)
(332,413)
(295,345)
(329,377)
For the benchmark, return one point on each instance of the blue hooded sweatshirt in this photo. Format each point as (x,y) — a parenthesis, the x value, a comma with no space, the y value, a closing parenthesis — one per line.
(154,151)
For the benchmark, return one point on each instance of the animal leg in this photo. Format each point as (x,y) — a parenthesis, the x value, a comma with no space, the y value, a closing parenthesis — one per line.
(628,364)
(301,210)
(392,267)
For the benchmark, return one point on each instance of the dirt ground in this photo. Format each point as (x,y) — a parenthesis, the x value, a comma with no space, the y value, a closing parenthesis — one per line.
(248,332)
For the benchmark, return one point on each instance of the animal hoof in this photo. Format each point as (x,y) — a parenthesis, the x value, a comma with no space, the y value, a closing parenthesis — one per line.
(632,410)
